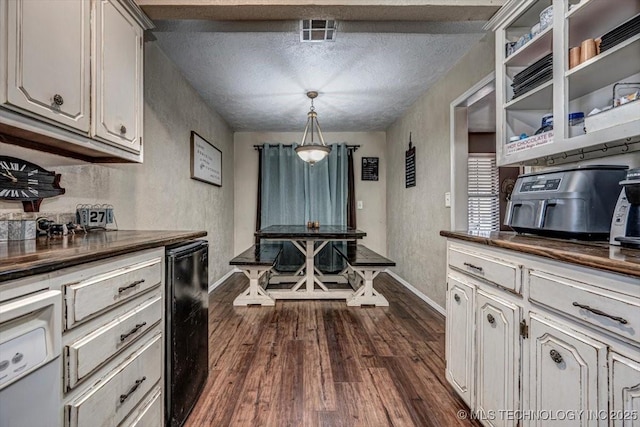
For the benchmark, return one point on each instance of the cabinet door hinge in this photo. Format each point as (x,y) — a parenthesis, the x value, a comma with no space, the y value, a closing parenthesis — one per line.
(524,329)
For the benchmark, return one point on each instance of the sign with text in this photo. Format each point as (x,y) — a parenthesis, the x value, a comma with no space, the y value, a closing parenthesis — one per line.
(370,168)
(206,161)
(529,143)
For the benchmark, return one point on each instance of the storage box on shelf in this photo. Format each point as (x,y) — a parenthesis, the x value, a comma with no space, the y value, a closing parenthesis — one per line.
(582,88)
(82,98)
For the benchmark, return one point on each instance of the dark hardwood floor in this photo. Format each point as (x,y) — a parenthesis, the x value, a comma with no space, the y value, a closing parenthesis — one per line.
(321,363)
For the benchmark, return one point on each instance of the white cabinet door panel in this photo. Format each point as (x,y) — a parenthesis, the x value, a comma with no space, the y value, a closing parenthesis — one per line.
(625,391)
(117,89)
(48,59)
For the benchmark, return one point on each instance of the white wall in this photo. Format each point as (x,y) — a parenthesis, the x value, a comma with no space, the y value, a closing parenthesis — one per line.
(372,218)
(158,194)
(416,215)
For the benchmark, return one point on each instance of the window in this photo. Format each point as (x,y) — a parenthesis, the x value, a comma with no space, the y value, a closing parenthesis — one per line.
(483,189)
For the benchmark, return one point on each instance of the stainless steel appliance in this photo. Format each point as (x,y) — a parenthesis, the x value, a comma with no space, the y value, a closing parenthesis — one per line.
(625,225)
(187,320)
(575,203)
(30,363)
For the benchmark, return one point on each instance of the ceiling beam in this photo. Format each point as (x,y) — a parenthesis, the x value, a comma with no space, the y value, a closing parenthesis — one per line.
(345,10)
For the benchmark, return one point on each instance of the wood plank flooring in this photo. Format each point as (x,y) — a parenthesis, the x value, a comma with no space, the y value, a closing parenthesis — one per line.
(321,363)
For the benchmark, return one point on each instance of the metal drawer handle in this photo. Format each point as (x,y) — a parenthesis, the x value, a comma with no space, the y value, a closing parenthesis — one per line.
(132,331)
(58,99)
(491,319)
(601,313)
(132,285)
(474,267)
(555,356)
(124,397)
(456,297)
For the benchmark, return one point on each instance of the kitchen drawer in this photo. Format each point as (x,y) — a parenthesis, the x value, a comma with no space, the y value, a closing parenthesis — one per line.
(91,296)
(614,312)
(149,414)
(498,271)
(92,350)
(112,399)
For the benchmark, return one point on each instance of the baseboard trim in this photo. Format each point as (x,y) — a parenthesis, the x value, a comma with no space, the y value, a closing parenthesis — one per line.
(419,294)
(220,281)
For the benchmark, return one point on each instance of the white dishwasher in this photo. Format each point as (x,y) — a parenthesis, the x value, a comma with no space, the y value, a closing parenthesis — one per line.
(30,362)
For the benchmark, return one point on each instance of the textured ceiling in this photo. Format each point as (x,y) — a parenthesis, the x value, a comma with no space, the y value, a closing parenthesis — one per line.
(256,74)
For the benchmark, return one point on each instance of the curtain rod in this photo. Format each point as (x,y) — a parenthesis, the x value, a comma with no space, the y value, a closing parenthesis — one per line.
(259,147)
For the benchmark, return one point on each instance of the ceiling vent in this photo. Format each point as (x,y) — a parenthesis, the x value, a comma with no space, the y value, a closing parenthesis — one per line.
(317,30)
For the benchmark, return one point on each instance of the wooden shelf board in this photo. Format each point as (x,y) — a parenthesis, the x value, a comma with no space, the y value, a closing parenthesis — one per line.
(604,69)
(539,46)
(540,98)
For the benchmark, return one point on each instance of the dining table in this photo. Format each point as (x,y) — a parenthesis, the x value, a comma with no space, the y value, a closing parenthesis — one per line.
(308,282)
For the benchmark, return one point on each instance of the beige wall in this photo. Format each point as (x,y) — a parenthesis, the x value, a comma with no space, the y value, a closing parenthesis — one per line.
(158,194)
(416,215)
(372,218)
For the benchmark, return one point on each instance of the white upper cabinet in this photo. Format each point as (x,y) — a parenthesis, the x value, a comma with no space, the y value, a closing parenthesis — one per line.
(117,90)
(71,76)
(48,60)
(559,67)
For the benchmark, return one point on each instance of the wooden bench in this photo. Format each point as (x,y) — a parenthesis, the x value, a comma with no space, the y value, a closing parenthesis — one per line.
(256,262)
(365,265)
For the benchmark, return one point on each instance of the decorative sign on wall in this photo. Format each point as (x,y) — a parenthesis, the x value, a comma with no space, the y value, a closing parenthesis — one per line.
(206,161)
(370,168)
(410,165)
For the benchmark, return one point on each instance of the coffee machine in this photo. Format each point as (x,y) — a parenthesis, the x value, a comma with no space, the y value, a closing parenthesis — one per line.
(625,225)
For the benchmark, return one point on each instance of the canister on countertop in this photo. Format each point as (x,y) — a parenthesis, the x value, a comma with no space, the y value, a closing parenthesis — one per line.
(576,124)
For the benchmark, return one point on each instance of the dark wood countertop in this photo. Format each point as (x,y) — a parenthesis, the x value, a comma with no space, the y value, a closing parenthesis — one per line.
(599,255)
(42,255)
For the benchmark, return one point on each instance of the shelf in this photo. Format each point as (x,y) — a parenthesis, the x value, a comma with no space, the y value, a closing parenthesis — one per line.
(593,18)
(605,69)
(535,49)
(540,98)
(532,15)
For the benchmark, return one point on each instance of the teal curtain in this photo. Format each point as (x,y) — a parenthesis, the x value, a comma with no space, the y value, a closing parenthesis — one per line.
(294,192)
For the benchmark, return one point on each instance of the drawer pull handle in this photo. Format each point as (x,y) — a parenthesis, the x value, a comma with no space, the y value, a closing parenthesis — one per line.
(601,313)
(58,100)
(491,319)
(555,356)
(474,267)
(132,285)
(456,297)
(124,397)
(132,331)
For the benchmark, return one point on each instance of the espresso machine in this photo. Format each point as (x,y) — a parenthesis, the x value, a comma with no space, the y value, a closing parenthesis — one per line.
(625,225)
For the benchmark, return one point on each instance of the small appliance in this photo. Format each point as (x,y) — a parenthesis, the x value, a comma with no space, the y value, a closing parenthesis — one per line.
(575,203)
(625,225)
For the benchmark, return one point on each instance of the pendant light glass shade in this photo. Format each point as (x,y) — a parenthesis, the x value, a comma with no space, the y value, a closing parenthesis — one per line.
(312,152)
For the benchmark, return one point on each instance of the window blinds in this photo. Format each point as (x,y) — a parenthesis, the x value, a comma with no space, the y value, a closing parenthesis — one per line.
(483,189)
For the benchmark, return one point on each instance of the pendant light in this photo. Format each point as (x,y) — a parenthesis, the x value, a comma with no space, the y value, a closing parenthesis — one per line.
(312,151)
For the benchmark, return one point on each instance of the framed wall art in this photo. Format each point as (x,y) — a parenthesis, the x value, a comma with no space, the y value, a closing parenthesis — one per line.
(206,161)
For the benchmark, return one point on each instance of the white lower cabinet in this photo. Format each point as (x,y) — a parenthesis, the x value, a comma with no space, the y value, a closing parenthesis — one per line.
(625,391)
(459,336)
(498,358)
(565,366)
(558,347)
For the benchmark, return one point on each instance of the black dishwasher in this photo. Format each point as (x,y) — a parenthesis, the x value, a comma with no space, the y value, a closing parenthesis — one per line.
(187,321)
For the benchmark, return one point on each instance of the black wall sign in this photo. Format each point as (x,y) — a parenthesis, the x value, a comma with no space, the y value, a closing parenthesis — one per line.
(410,165)
(370,168)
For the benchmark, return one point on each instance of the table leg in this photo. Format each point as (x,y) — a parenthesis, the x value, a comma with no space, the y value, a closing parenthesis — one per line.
(310,255)
(254,294)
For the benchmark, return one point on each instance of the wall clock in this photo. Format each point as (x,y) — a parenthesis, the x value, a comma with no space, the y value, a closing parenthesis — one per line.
(26,182)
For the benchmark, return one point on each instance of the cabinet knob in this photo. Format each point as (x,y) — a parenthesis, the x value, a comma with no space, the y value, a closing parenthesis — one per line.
(123,129)
(555,356)
(456,297)
(491,319)
(58,99)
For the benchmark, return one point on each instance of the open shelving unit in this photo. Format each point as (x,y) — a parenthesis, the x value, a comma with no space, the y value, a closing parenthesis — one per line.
(584,88)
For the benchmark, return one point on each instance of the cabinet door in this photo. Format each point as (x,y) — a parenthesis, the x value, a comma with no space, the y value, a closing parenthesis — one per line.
(459,338)
(48,59)
(117,90)
(498,353)
(625,391)
(566,368)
